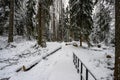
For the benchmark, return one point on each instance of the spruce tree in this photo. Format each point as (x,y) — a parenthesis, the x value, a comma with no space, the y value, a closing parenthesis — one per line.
(4,16)
(30,5)
(20,10)
(102,23)
(81,19)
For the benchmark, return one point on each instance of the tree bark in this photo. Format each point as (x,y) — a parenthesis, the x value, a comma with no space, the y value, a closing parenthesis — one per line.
(40,24)
(117,40)
(54,29)
(80,39)
(11,21)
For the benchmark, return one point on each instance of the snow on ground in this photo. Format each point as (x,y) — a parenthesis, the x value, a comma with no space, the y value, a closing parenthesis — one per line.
(58,66)
(96,60)
(20,53)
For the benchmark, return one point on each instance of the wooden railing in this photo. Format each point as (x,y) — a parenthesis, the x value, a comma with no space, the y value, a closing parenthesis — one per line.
(85,73)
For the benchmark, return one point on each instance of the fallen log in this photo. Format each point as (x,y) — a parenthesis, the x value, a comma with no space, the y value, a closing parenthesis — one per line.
(28,66)
(52,52)
(32,64)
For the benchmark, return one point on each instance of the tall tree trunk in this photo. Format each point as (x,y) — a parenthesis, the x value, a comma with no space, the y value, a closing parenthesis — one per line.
(11,21)
(80,39)
(117,40)
(54,29)
(40,24)
(61,3)
(81,24)
(43,28)
(28,32)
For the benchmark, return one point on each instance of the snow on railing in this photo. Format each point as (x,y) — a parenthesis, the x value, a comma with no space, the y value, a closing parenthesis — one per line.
(85,73)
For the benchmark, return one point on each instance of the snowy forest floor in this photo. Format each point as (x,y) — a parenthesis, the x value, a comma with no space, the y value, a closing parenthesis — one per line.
(58,66)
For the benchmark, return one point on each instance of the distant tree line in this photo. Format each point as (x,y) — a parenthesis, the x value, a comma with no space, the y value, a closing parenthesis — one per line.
(47,20)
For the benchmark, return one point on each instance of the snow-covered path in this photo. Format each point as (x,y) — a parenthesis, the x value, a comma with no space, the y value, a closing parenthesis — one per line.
(58,66)
(64,68)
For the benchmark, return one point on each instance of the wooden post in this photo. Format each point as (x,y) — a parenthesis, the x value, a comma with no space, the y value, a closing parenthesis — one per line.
(86,74)
(78,66)
(81,70)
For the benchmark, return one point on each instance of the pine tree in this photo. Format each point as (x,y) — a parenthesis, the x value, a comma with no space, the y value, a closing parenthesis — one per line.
(4,15)
(15,18)
(5,11)
(103,17)
(102,25)
(30,5)
(81,19)
(19,17)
